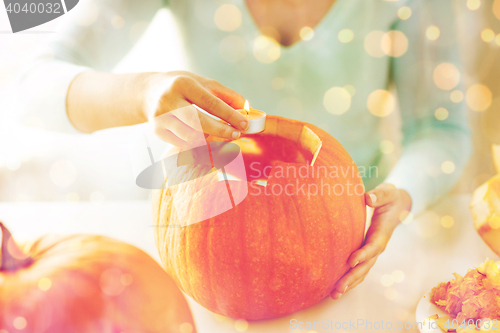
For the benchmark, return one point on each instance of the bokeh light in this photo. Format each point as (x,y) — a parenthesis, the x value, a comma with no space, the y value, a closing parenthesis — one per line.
(227,17)
(373,43)
(337,100)
(126,279)
(394,43)
(448,167)
(432,32)
(44,284)
(386,146)
(306,33)
(345,35)
(478,97)
(497,39)
(20,323)
(456,96)
(404,13)
(447,221)
(232,48)
(266,50)
(398,276)
(446,76)
(241,325)
(381,103)
(473,4)
(487,35)
(441,114)
(110,282)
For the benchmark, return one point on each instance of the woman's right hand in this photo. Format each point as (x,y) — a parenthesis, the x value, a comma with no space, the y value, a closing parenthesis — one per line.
(167,92)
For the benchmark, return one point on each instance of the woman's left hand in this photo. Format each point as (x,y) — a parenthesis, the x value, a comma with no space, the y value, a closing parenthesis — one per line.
(391,206)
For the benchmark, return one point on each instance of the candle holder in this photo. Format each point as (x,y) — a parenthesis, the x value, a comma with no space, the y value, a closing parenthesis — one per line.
(256,119)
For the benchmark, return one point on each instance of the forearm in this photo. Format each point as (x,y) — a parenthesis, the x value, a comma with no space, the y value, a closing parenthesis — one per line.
(420,170)
(98,100)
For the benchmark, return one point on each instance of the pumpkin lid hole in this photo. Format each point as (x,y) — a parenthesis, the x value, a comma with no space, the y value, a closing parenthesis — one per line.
(289,142)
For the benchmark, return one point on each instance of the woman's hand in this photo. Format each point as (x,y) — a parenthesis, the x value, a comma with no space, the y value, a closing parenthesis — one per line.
(391,206)
(176,91)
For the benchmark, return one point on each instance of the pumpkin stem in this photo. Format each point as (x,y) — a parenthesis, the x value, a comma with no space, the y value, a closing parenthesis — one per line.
(12,258)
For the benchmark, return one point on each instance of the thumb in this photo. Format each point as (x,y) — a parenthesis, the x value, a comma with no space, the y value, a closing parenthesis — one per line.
(381,195)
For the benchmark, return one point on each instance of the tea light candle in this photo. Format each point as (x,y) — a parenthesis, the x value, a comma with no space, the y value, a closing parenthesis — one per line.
(256,119)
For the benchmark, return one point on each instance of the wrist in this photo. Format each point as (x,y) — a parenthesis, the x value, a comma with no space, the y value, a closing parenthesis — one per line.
(143,83)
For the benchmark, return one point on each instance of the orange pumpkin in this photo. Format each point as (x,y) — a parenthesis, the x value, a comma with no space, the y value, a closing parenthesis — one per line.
(86,284)
(280,250)
(485,208)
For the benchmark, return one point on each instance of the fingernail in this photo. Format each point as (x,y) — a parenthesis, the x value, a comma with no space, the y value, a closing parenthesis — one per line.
(373,197)
(244,125)
(355,264)
(345,289)
(236,135)
(335,295)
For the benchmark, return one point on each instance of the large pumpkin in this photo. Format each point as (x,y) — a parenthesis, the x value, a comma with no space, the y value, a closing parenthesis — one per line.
(485,208)
(280,250)
(86,284)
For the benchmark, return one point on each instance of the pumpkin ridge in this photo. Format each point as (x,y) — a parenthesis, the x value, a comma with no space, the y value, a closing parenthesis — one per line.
(210,283)
(186,246)
(270,230)
(156,217)
(245,276)
(304,246)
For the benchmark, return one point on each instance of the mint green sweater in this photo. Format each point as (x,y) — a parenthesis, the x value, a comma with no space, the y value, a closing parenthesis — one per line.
(296,82)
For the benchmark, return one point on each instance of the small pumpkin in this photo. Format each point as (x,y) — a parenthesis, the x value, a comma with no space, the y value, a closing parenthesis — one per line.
(485,208)
(283,247)
(86,284)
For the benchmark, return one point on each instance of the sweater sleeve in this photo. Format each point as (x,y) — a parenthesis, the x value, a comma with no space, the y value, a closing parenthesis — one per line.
(95,35)
(436,144)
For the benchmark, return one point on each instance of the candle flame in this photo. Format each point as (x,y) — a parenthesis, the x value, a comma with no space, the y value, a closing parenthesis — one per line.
(247,106)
